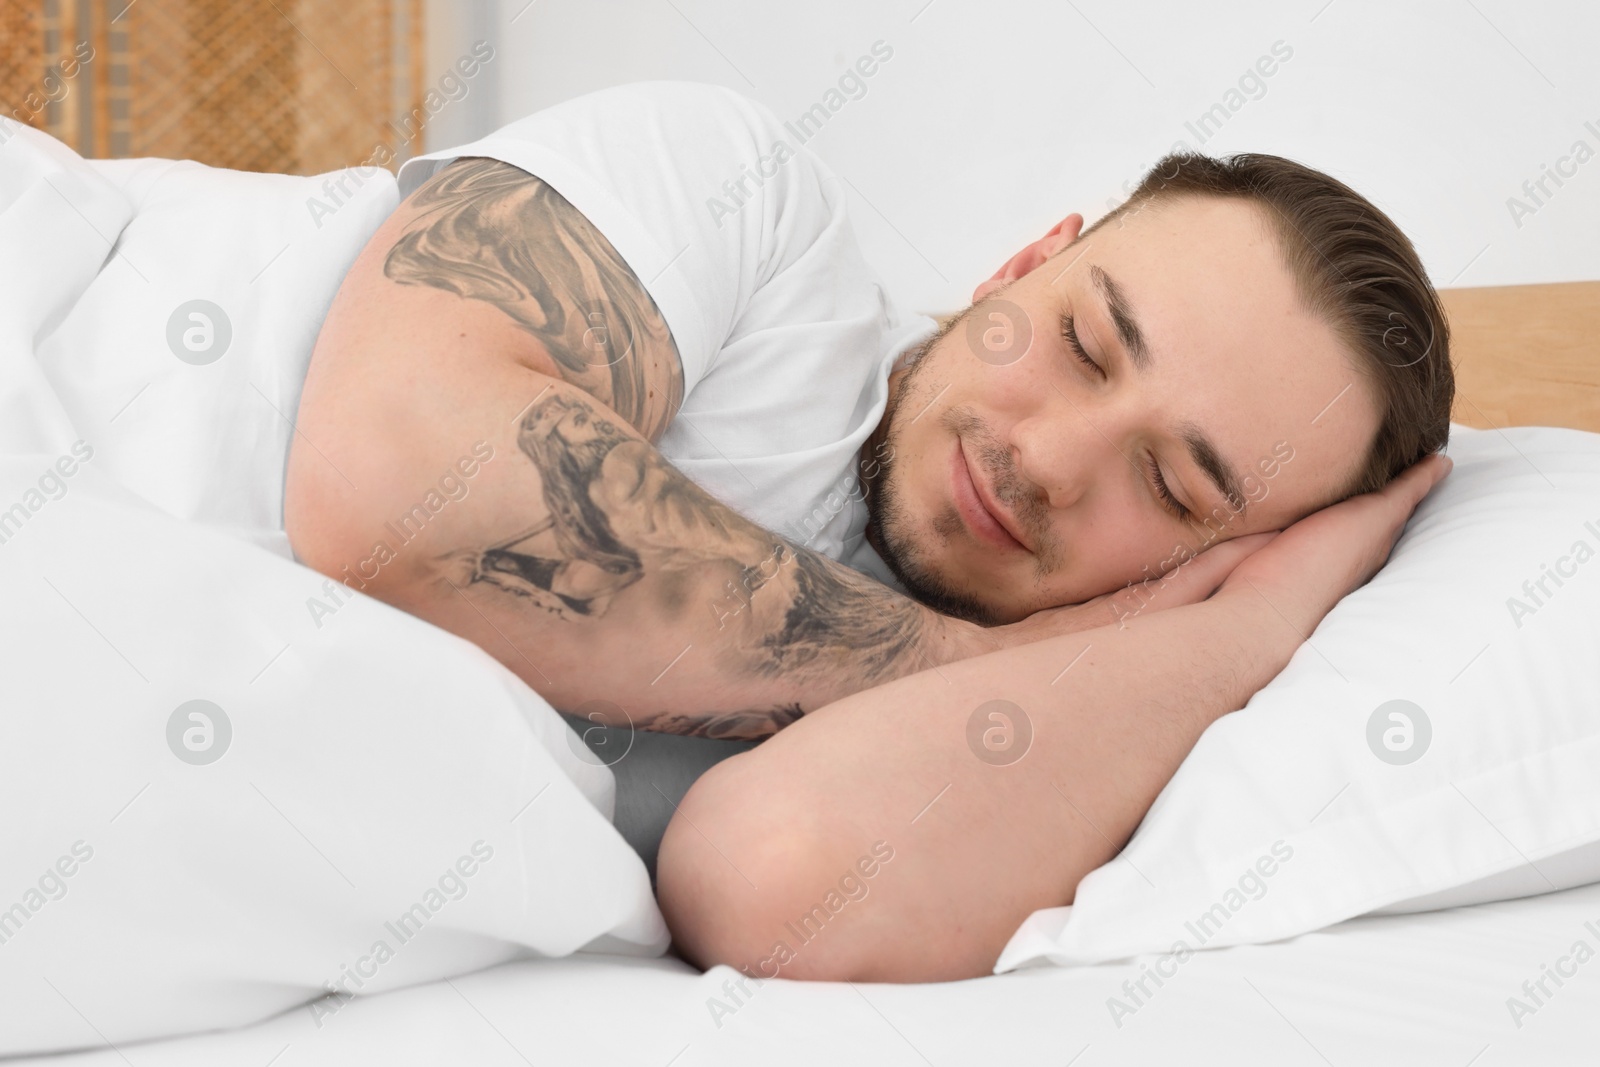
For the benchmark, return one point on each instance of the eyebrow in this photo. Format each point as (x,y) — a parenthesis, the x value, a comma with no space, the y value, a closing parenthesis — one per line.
(1219,470)
(1122,317)
(1201,449)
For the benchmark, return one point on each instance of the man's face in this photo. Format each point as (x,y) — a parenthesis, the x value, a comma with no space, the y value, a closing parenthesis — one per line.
(1016,477)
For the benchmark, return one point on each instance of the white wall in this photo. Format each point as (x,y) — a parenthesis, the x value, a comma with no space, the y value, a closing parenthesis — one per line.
(994,118)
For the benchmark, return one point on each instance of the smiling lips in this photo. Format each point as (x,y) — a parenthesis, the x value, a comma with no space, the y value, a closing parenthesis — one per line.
(987,521)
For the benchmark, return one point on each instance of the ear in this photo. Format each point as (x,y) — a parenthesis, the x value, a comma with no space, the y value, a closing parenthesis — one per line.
(1060,236)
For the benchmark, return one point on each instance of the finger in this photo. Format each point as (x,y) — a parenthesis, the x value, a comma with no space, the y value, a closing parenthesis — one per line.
(1202,575)
(1227,554)
(1193,580)
(1415,481)
(1407,491)
(1402,497)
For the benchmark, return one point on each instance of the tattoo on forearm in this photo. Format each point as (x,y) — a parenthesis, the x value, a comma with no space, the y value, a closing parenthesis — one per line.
(728,726)
(492,232)
(618,513)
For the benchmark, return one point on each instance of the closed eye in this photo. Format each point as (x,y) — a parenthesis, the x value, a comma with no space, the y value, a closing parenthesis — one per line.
(1170,502)
(1070,333)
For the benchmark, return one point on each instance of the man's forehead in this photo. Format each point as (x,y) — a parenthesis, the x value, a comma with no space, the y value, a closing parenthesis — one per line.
(1223,237)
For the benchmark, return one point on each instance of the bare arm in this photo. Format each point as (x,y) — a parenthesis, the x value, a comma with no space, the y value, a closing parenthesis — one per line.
(976,846)
(989,844)
(488,326)
(488,321)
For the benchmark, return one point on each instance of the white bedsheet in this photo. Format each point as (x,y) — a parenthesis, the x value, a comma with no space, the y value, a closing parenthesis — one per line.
(1419,989)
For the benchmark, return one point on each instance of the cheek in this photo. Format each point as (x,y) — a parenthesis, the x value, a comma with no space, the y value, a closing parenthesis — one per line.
(992,377)
(1120,544)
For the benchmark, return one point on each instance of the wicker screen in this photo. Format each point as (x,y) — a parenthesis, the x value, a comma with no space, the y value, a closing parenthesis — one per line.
(294,86)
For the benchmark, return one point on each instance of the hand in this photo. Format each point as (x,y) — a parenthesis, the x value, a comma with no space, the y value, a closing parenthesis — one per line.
(1330,553)
(1187,583)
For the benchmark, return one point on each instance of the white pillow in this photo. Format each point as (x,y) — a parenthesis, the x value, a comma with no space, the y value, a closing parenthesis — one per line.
(1286,819)
(187,355)
(370,763)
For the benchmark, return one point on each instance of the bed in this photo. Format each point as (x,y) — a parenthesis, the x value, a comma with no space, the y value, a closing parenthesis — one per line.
(1430,988)
(1505,981)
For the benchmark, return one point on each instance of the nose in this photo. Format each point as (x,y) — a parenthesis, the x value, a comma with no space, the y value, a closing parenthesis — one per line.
(1064,450)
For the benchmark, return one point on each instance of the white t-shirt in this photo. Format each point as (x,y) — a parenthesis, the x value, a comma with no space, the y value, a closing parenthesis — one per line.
(742,238)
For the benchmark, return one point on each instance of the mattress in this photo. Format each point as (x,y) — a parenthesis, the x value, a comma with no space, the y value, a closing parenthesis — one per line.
(1454,987)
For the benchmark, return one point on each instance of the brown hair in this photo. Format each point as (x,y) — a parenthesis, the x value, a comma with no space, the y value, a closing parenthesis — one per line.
(1355,270)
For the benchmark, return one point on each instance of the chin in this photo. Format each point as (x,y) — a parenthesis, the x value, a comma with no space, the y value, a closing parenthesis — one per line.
(909,536)
(928,582)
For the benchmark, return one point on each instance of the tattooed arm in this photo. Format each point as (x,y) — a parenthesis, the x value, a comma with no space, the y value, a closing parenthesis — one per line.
(490,232)
(488,317)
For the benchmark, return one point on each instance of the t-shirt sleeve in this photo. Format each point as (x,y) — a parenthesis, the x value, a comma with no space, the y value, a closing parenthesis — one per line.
(696,186)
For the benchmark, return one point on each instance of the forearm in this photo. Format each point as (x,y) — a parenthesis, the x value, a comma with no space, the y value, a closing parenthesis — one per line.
(598,572)
(978,844)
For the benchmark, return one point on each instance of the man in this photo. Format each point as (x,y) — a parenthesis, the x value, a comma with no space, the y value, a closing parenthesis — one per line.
(654,273)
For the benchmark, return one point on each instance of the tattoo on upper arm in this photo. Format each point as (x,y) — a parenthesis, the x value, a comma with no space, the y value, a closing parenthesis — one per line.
(617,512)
(489,231)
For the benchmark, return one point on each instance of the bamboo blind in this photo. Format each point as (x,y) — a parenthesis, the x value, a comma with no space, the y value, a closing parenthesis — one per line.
(292,86)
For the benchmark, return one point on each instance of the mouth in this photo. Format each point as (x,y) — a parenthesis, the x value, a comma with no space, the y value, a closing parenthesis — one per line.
(987,520)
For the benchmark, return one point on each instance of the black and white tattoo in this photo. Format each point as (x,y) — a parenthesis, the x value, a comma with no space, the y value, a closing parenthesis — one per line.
(729,726)
(617,511)
(618,520)
(492,232)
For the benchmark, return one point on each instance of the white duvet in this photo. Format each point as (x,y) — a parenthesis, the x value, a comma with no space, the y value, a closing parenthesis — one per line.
(227,785)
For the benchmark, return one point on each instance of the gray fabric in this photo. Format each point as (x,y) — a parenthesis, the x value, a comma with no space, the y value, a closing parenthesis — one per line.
(653,773)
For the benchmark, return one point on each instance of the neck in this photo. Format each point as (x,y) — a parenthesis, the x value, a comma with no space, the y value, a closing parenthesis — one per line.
(869,462)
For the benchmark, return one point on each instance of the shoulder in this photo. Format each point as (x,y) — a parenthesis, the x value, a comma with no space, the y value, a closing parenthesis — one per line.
(690,154)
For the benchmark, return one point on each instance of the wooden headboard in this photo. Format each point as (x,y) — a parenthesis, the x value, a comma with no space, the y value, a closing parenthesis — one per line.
(1526,355)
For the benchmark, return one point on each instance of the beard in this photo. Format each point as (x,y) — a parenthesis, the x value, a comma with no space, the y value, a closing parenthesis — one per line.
(888,525)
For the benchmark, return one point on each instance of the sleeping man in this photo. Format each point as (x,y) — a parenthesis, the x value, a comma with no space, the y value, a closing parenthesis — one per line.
(984,585)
